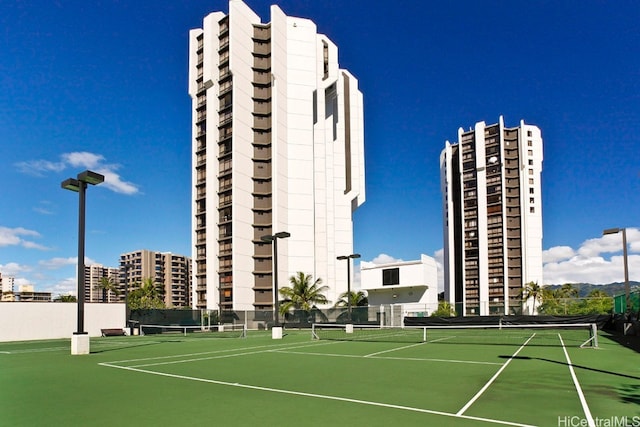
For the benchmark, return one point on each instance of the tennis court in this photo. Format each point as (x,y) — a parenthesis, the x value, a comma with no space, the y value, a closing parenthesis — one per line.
(182,379)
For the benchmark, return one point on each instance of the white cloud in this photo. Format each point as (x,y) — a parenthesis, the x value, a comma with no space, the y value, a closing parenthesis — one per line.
(14,237)
(385,259)
(557,253)
(21,282)
(39,167)
(587,264)
(13,269)
(57,263)
(63,287)
(82,159)
(113,181)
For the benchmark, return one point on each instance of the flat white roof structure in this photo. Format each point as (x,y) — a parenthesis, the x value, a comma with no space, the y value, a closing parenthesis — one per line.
(405,282)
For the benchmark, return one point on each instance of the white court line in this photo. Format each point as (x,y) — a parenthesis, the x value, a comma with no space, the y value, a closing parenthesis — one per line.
(486,386)
(215,355)
(393,349)
(197,354)
(317,396)
(583,401)
(36,350)
(412,359)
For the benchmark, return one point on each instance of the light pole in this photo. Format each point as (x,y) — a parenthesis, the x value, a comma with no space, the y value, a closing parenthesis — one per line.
(80,339)
(626,265)
(348,258)
(126,298)
(274,239)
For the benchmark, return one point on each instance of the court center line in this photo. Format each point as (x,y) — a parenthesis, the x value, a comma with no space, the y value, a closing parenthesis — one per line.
(585,407)
(317,396)
(486,386)
(393,349)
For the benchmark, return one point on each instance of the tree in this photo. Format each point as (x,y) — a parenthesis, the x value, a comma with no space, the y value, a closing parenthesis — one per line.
(358,300)
(550,302)
(445,309)
(65,298)
(597,302)
(302,295)
(148,295)
(108,285)
(568,291)
(531,291)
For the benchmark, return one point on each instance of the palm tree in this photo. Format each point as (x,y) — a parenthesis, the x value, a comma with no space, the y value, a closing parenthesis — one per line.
(108,285)
(551,299)
(148,295)
(532,291)
(302,295)
(357,299)
(65,298)
(568,291)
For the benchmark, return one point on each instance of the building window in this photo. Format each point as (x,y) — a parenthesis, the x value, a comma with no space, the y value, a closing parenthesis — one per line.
(531,181)
(531,191)
(530,152)
(532,209)
(530,162)
(390,276)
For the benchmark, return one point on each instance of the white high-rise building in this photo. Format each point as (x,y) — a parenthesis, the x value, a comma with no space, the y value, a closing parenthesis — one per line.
(492,217)
(278,146)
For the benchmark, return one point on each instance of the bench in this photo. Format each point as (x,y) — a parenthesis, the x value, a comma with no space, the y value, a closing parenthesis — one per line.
(113,332)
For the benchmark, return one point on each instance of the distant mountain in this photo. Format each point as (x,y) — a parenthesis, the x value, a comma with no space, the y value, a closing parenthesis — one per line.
(613,289)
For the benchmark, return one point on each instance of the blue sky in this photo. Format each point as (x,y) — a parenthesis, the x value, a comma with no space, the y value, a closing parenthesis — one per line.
(103,85)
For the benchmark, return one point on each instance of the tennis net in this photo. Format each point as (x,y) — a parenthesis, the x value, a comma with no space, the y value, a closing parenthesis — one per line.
(197,331)
(571,335)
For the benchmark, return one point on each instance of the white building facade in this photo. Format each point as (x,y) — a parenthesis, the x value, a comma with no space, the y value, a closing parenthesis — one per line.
(413,284)
(492,217)
(278,146)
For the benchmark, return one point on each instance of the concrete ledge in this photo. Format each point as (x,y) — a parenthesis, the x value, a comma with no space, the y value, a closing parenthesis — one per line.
(80,344)
(276,332)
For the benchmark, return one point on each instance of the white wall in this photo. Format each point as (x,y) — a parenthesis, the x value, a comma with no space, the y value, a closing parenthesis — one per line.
(418,283)
(21,321)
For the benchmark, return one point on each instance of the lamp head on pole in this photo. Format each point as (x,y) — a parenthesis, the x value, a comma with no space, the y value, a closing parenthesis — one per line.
(71,184)
(352,256)
(91,177)
(271,238)
(611,231)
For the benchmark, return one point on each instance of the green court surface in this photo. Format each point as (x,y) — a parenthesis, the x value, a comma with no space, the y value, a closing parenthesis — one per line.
(296,381)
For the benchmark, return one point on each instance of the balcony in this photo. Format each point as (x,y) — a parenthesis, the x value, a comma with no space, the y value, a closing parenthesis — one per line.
(261,153)
(261,92)
(262,123)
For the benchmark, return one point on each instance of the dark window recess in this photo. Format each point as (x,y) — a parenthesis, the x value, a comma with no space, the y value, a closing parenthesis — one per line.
(390,276)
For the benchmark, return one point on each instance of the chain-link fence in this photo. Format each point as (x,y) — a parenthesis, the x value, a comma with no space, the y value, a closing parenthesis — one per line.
(390,315)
